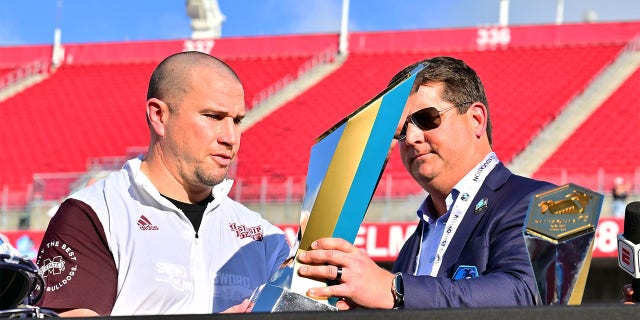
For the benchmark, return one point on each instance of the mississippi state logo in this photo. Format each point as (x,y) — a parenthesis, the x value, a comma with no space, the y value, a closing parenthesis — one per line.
(54,265)
(59,267)
(243,231)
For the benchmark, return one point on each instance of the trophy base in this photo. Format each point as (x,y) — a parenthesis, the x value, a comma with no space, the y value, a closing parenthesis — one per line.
(270,298)
(561,269)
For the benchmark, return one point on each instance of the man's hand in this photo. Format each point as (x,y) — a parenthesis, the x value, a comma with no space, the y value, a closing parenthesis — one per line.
(76,313)
(362,282)
(244,306)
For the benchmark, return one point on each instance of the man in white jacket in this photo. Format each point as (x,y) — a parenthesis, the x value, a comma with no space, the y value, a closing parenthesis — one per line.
(161,236)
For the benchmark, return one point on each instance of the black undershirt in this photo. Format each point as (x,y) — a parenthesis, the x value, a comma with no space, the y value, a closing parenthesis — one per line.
(193,211)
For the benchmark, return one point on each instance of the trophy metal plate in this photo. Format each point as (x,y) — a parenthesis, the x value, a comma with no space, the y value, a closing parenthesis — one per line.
(559,232)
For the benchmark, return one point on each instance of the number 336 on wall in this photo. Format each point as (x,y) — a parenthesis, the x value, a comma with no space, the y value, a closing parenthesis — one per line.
(493,36)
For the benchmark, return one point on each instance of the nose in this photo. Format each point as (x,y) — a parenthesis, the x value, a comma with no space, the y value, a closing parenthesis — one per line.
(414,134)
(229,132)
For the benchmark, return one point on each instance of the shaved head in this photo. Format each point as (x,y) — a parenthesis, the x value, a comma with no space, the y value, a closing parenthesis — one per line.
(169,81)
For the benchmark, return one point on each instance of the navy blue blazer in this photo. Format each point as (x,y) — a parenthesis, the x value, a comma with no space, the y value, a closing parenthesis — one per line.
(491,240)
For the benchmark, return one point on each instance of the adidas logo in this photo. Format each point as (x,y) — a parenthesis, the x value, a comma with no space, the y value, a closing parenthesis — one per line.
(145,224)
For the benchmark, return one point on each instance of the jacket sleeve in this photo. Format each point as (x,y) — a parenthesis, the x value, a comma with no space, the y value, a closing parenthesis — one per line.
(76,262)
(278,251)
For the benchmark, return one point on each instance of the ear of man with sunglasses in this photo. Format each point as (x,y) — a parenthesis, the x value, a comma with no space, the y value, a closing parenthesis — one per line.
(468,249)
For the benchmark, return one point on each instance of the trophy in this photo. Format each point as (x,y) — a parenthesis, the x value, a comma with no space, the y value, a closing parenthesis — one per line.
(559,232)
(345,165)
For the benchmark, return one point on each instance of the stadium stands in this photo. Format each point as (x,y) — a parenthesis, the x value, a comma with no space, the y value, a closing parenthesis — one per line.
(93,109)
(78,113)
(89,107)
(605,146)
(522,85)
(6,70)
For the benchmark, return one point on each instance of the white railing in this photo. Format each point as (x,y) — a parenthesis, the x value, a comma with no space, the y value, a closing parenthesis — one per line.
(290,189)
(25,71)
(633,45)
(278,198)
(601,180)
(326,56)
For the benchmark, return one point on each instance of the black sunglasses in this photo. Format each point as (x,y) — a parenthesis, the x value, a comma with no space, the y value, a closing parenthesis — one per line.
(424,119)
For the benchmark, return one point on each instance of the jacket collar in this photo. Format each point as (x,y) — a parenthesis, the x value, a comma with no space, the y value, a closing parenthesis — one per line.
(481,206)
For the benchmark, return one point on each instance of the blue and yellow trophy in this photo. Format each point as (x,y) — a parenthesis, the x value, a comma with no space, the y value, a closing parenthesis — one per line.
(345,165)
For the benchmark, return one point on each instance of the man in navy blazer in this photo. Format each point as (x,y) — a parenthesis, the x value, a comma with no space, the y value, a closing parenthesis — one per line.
(490,240)
(468,249)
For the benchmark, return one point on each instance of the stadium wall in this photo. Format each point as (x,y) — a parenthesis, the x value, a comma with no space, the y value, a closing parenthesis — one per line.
(493,37)
(127,52)
(481,38)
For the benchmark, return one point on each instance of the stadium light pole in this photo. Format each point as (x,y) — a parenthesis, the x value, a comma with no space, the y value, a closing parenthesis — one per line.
(559,11)
(343,44)
(504,13)
(57,53)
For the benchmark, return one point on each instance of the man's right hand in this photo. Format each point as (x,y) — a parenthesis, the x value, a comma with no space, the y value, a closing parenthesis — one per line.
(244,306)
(76,313)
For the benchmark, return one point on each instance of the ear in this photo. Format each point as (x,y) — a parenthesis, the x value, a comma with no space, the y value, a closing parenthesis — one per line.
(479,116)
(157,112)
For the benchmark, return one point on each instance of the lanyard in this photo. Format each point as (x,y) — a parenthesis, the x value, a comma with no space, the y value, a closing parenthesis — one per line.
(470,185)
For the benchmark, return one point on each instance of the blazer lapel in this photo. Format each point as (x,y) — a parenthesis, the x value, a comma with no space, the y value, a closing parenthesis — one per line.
(480,207)
(409,252)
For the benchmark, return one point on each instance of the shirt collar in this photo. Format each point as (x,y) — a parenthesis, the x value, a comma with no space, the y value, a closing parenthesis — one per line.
(426,211)
(219,191)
